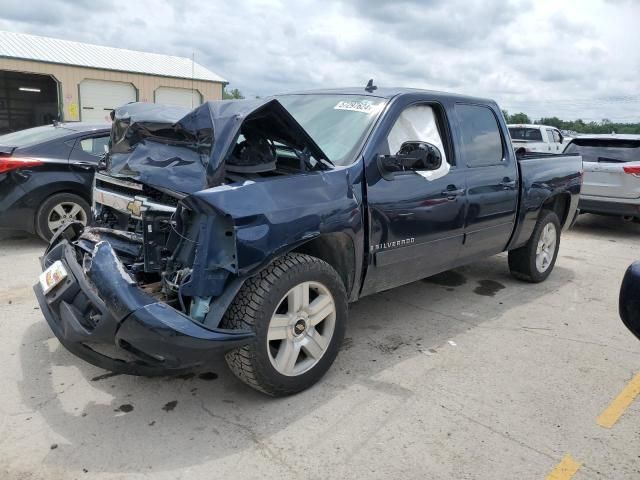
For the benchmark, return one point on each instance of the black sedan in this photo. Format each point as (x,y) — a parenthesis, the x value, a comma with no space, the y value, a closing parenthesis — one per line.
(46,174)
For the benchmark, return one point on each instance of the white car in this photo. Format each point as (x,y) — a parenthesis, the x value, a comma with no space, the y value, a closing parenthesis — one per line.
(611,184)
(536,138)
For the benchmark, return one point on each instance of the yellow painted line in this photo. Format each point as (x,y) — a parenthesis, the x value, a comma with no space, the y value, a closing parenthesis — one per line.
(565,470)
(615,410)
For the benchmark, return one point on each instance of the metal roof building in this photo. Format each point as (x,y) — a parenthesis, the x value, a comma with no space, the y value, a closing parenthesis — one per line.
(43,79)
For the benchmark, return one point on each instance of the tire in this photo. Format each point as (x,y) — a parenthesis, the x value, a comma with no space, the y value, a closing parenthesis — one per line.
(60,209)
(267,305)
(528,263)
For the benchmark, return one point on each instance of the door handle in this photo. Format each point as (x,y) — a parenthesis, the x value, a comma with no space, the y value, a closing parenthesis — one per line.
(84,165)
(507,184)
(452,192)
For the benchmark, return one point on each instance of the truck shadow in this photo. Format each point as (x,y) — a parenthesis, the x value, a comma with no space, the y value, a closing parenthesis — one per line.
(118,423)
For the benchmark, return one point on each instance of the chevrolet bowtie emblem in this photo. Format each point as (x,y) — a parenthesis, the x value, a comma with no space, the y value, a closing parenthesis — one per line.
(135,207)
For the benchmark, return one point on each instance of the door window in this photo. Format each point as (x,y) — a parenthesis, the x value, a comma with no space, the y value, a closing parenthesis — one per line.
(415,124)
(481,139)
(95,146)
(419,123)
(550,138)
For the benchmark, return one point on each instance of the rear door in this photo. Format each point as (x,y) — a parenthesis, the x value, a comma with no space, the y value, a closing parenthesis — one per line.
(557,141)
(492,181)
(611,166)
(86,154)
(553,141)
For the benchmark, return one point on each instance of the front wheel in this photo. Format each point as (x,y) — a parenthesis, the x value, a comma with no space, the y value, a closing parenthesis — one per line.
(297,307)
(534,261)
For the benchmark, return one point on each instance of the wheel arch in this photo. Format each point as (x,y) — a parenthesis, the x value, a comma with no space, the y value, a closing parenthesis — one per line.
(338,250)
(559,204)
(43,192)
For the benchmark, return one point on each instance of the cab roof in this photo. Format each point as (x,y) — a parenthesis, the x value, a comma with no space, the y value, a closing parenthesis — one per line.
(388,93)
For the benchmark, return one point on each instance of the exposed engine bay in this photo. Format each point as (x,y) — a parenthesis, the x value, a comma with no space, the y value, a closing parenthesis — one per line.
(158,158)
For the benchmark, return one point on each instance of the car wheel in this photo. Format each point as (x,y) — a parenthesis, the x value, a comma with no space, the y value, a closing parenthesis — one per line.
(58,210)
(535,261)
(297,307)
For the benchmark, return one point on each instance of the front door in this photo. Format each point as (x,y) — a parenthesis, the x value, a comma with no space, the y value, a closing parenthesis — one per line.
(416,219)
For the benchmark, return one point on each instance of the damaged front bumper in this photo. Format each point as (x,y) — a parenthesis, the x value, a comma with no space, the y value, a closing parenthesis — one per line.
(100,314)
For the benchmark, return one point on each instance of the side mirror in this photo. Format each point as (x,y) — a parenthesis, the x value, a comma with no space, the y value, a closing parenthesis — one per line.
(412,156)
(629,305)
(102,162)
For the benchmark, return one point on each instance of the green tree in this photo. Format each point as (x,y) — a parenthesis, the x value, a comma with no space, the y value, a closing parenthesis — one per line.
(552,121)
(234,94)
(519,118)
(578,125)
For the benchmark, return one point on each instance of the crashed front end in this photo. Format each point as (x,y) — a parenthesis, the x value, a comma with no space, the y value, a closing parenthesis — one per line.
(108,310)
(177,228)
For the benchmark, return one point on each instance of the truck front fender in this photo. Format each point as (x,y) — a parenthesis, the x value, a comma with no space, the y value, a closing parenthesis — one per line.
(270,218)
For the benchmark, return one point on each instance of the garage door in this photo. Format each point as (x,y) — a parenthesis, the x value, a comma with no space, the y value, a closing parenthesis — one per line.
(182,97)
(99,97)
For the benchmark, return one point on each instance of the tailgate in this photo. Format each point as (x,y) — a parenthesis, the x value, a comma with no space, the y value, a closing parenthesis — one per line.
(603,179)
(610,166)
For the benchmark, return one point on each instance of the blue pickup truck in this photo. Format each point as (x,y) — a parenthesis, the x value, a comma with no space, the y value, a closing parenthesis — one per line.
(246,227)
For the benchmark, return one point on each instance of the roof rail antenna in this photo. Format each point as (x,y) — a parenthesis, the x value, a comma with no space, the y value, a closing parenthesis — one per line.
(370,86)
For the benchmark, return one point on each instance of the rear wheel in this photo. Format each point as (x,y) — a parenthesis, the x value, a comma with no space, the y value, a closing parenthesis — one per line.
(534,261)
(59,210)
(297,307)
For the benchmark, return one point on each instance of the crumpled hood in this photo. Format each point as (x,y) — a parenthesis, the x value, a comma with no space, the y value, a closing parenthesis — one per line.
(185,151)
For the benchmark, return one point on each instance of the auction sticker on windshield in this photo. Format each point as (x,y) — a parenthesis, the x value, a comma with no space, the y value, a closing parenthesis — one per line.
(52,276)
(356,106)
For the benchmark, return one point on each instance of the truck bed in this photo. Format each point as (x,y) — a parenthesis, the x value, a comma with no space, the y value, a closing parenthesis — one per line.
(544,175)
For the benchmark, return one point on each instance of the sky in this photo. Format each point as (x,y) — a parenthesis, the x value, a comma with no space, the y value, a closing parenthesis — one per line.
(571,59)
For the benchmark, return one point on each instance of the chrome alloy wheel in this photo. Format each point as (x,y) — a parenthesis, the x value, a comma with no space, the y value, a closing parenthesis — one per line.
(63,213)
(301,328)
(546,247)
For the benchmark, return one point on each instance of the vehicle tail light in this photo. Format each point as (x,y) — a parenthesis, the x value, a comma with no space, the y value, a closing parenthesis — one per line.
(633,170)
(13,163)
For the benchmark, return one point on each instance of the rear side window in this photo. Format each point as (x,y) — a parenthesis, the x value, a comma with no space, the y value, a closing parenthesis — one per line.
(606,150)
(90,149)
(33,136)
(95,146)
(481,140)
(518,133)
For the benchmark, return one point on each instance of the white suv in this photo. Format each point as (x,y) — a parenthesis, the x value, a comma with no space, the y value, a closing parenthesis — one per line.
(611,184)
(535,138)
